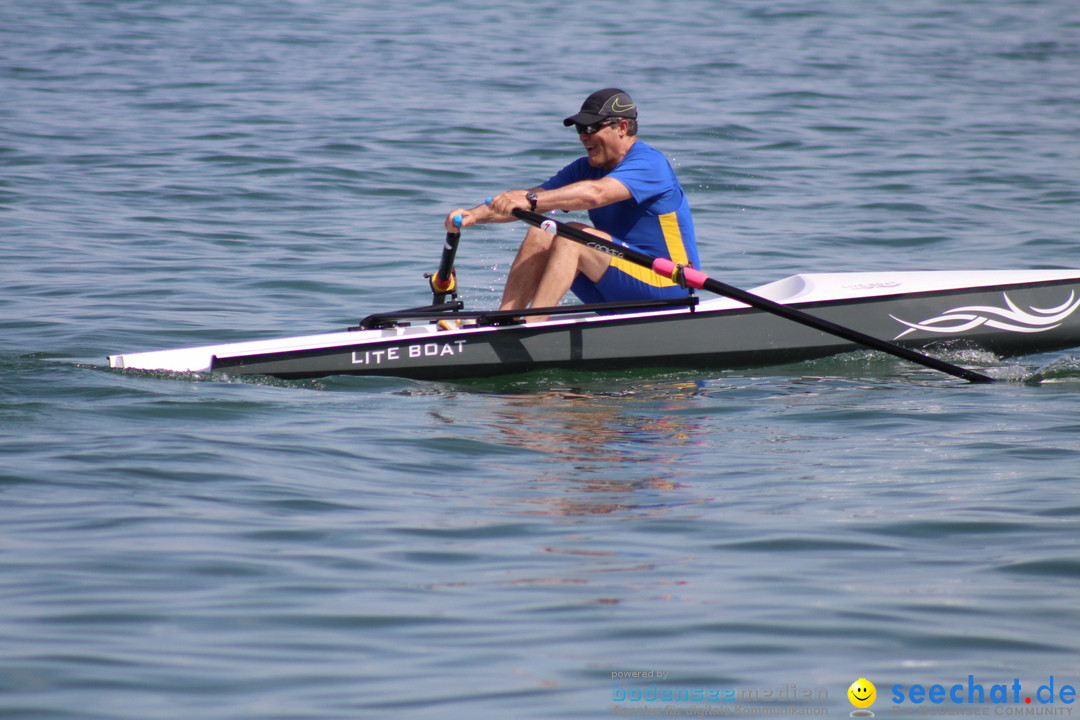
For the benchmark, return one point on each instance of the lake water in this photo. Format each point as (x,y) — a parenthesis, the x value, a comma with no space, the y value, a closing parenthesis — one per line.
(747,542)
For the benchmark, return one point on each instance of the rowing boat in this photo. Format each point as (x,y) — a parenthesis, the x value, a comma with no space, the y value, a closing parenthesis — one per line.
(1009,313)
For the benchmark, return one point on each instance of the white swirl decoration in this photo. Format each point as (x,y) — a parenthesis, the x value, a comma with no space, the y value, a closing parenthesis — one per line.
(1010,318)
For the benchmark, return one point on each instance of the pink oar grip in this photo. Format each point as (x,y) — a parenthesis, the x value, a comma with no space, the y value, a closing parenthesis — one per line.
(694,278)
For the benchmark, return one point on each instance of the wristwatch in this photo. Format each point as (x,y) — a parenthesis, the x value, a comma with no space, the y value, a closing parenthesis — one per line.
(531,197)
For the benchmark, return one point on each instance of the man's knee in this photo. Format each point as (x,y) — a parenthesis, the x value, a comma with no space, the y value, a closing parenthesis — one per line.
(538,239)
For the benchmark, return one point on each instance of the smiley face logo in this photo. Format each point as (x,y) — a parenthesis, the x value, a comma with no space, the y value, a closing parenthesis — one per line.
(862,693)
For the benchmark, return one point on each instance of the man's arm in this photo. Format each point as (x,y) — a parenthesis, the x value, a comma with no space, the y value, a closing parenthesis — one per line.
(582,195)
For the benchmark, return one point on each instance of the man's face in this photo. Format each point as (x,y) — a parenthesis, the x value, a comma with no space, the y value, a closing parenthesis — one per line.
(604,145)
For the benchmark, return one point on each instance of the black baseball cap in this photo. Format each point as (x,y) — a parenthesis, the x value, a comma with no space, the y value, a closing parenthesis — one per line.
(609,102)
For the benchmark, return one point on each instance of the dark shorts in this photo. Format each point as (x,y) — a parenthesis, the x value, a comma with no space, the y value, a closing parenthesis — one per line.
(617,286)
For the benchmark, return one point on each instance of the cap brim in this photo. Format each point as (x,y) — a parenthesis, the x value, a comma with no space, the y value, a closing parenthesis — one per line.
(583,118)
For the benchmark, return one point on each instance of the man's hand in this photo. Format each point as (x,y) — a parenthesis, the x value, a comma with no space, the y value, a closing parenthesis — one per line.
(505,203)
(467,219)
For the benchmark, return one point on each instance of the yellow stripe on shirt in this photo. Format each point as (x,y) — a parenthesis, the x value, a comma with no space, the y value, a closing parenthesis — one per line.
(669,226)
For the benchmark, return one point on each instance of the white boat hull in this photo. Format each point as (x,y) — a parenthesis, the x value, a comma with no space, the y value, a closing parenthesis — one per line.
(1007,312)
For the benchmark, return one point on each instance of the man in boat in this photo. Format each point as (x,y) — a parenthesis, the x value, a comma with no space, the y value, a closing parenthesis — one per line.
(631,193)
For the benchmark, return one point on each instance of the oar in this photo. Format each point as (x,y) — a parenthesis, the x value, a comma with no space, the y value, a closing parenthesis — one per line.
(444,281)
(697,279)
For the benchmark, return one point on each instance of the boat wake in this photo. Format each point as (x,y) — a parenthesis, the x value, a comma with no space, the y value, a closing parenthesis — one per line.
(1061,370)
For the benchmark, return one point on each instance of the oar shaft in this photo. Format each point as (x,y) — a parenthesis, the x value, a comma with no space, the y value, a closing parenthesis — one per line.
(697,279)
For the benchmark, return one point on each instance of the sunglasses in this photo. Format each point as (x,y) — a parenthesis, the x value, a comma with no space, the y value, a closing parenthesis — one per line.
(595,127)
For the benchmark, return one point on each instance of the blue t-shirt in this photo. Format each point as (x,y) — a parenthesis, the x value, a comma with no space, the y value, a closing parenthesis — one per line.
(655,219)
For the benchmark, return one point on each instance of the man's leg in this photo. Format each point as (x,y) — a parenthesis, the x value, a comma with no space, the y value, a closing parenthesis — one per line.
(528,268)
(545,267)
